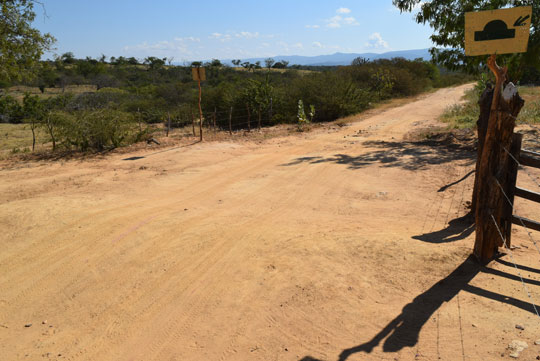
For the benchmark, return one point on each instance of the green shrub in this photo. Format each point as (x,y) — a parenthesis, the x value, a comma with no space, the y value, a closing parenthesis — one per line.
(97,129)
(10,110)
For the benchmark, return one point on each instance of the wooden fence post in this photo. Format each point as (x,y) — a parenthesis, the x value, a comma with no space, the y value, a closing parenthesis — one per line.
(481,125)
(192,121)
(215,118)
(491,168)
(200,109)
(230,121)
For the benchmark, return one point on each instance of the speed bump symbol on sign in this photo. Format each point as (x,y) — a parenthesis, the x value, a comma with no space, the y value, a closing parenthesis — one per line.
(497,31)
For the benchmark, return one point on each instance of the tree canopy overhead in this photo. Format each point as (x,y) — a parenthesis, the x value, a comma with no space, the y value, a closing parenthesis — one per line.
(447,18)
(21,46)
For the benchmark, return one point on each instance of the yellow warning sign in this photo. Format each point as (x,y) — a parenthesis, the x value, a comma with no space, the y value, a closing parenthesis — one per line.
(199,74)
(497,31)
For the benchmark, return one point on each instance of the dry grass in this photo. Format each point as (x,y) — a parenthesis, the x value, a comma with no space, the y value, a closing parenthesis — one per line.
(466,114)
(17,138)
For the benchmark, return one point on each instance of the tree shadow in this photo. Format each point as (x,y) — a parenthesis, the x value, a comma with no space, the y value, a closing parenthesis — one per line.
(410,155)
(403,330)
(162,151)
(458,229)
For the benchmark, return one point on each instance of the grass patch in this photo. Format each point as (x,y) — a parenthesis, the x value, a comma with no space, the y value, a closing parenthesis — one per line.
(465,115)
(17,138)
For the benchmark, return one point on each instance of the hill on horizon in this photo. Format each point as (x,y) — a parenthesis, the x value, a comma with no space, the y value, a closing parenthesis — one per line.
(341,58)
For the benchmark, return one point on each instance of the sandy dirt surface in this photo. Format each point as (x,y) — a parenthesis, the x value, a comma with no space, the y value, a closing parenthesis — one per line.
(338,244)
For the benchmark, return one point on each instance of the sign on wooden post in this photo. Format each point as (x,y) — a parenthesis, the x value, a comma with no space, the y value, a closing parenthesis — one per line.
(496,32)
(501,31)
(199,74)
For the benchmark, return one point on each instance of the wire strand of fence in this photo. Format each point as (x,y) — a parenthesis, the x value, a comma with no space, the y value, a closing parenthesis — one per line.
(437,214)
(462,196)
(428,211)
(522,167)
(452,201)
(520,220)
(460,328)
(533,303)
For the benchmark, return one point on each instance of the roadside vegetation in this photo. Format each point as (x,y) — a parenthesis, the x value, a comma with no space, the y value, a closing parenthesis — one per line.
(99,104)
(465,115)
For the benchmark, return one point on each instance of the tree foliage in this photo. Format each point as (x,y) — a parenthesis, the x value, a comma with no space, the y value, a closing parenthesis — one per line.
(447,18)
(21,46)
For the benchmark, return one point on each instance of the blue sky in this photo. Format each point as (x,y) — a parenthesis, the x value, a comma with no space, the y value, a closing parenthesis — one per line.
(190,30)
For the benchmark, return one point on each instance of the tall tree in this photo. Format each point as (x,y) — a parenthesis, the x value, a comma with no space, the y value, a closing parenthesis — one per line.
(269,62)
(21,46)
(447,18)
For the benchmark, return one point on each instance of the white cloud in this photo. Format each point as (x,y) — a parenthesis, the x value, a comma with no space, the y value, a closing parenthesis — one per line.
(350,21)
(176,47)
(376,41)
(338,21)
(189,38)
(297,46)
(239,35)
(343,11)
(313,26)
(247,35)
(334,22)
(317,44)
(221,37)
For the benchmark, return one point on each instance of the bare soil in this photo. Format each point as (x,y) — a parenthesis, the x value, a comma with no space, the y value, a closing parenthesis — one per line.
(343,243)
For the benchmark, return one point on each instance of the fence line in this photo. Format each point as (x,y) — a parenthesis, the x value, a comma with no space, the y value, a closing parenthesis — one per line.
(522,167)
(520,219)
(515,266)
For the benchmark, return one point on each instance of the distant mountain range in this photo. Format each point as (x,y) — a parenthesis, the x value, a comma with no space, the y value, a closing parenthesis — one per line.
(341,58)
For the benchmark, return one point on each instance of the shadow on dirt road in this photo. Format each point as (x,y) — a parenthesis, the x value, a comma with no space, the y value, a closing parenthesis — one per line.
(410,155)
(403,331)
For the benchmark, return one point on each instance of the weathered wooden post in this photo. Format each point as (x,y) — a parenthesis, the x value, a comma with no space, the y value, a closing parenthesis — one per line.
(192,120)
(200,112)
(492,175)
(199,75)
(481,127)
(495,32)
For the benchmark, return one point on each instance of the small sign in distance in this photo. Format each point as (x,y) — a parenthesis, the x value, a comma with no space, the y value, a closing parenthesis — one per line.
(199,74)
(501,31)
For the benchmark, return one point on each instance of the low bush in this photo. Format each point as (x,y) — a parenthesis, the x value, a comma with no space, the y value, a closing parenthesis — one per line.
(97,129)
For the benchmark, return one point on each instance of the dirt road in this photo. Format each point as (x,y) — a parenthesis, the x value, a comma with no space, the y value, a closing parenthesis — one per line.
(344,243)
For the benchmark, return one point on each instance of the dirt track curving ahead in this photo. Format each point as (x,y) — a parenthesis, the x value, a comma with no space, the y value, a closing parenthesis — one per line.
(346,243)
